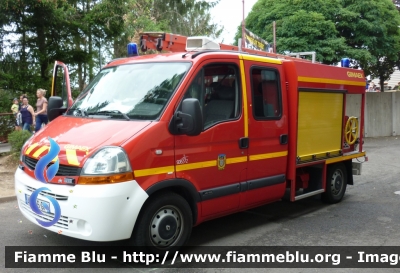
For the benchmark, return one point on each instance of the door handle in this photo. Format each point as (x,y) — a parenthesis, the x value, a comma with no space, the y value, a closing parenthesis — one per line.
(283,139)
(244,143)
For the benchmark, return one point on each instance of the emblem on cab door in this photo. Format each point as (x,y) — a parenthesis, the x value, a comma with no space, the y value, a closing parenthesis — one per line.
(221,162)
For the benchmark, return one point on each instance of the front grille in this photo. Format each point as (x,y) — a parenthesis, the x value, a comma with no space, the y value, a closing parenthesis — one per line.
(58,197)
(61,223)
(63,170)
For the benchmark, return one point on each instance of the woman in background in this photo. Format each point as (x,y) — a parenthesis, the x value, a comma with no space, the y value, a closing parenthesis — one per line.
(41,109)
(27,115)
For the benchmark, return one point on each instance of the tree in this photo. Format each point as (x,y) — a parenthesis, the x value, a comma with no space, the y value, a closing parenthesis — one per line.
(364,30)
(38,33)
(304,31)
(301,26)
(187,17)
(82,33)
(48,30)
(372,25)
(33,31)
(184,17)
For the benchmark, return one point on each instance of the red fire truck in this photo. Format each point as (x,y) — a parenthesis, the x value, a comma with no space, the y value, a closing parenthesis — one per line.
(159,143)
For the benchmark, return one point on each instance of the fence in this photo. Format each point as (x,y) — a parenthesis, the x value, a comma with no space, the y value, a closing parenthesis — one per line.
(382,113)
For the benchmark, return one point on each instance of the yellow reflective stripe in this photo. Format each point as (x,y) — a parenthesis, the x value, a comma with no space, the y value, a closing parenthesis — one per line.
(244,92)
(332,81)
(268,155)
(236,160)
(152,171)
(40,151)
(71,157)
(30,149)
(261,59)
(184,167)
(343,158)
(197,165)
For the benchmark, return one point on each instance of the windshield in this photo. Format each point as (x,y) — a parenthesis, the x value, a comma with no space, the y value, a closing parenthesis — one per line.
(134,91)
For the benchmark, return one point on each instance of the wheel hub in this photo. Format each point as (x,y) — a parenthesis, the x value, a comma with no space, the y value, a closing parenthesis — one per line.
(165,226)
(337,182)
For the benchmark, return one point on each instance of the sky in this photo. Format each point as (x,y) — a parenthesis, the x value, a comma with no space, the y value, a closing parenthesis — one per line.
(229,14)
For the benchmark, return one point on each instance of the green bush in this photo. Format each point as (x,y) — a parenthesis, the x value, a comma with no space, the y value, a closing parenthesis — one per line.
(17,139)
(7,125)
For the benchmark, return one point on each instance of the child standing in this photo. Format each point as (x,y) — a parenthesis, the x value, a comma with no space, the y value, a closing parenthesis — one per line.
(15,111)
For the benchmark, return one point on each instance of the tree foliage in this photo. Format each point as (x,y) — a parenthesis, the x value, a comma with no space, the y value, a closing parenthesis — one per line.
(190,17)
(373,26)
(364,30)
(84,34)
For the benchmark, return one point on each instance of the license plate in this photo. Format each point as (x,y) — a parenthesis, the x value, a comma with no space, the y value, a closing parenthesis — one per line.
(42,205)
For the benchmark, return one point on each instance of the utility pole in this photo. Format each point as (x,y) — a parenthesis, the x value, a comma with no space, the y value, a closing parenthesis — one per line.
(100,52)
(274,33)
(243,27)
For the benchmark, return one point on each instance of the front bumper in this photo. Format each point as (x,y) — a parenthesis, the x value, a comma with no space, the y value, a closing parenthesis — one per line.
(89,212)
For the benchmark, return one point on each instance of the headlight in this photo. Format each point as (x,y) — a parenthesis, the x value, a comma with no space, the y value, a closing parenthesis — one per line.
(109,165)
(109,160)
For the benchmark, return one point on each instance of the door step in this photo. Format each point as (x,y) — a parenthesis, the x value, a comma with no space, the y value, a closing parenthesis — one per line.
(308,194)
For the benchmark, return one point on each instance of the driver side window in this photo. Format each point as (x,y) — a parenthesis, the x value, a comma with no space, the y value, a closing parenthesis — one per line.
(216,87)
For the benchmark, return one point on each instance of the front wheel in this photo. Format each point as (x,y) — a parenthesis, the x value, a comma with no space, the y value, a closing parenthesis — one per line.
(164,223)
(336,182)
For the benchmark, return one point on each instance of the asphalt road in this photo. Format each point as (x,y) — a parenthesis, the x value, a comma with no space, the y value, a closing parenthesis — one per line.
(369,215)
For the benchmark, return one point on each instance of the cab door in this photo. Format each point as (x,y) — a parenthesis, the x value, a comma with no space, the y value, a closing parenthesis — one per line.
(268,131)
(214,161)
(61,84)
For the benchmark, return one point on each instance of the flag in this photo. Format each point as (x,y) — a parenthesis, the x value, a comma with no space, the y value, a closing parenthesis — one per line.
(254,42)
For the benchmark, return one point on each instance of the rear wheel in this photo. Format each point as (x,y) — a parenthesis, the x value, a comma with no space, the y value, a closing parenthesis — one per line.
(336,183)
(164,223)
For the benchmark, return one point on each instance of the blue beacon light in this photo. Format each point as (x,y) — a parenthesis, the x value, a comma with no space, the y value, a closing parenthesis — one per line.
(345,62)
(133,50)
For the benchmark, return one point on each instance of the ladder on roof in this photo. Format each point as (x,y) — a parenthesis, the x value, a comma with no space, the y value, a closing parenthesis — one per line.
(161,41)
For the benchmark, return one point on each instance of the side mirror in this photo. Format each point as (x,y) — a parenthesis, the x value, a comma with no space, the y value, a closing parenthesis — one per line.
(189,121)
(55,107)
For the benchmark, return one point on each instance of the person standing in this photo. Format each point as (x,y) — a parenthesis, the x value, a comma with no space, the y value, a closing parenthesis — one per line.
(27,115)
(371,87)
(41,109)
(15,110)
(20,101)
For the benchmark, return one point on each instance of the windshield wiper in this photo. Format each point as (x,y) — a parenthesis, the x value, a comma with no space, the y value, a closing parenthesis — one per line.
(112,112)
(81,111)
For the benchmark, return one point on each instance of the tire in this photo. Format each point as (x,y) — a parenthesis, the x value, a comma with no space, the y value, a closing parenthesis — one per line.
(336,183)
(164,223)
